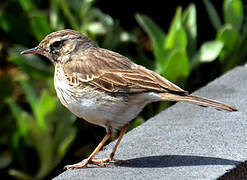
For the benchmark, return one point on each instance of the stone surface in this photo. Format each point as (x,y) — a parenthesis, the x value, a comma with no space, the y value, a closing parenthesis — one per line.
(185,141)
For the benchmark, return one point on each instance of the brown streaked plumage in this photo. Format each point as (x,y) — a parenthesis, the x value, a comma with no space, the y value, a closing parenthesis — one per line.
(104,87)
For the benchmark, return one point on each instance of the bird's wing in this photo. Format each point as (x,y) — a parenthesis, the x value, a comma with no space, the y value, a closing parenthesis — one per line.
(109,71)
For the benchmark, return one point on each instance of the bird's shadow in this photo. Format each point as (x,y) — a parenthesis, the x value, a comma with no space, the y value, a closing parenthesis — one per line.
(175,161)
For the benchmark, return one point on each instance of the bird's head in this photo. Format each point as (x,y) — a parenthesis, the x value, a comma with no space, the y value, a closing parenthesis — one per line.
(60,44)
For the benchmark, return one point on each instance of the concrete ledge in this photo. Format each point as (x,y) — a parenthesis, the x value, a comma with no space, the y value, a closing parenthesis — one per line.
(185,141)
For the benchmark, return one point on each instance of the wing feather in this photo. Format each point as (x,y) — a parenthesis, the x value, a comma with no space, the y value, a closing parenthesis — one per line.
(109,71)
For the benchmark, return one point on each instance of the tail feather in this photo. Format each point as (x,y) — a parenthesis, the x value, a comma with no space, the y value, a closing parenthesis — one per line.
(198,100)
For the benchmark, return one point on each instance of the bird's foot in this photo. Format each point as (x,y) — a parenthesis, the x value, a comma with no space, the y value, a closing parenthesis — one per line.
(107,161)
(102,162)
(99,162)
(83,164)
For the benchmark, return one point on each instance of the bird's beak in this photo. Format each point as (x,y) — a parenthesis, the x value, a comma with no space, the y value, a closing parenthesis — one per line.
(35,50)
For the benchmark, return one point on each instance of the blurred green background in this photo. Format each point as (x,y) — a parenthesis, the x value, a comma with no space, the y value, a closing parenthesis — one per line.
(188,42)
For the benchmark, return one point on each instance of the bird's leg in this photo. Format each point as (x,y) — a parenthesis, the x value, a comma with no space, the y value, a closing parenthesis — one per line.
(118,141)
(102,162)
(89,160)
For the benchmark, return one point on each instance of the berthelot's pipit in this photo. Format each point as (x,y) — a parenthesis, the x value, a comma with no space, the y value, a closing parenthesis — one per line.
(104,87)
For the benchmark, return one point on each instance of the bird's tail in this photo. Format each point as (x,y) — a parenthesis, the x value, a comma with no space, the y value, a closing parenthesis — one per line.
(197,100)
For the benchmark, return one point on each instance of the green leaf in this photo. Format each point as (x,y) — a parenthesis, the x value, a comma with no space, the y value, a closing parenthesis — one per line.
(40,25)
(154,32)
(96,28)
(20,115)
(230,37)
(27,5)
(176,23)
(176,38)
(19,174)
(189,20)
(213,15)
(233,12)
(208,52)
(85,9)
(30,94)
(112,38)
(67,13)
(178,67)
(106,20)
(46,105)
(66,142)
(7,89)
(190,26)
(15,139)
(137,122)
(156,35)
(5,23)
(56,20)
(65,129)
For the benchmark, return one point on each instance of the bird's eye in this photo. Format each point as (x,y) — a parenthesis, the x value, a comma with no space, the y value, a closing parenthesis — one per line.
(56,46)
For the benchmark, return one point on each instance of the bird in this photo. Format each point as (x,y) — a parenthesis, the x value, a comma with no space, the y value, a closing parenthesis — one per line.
(104,87)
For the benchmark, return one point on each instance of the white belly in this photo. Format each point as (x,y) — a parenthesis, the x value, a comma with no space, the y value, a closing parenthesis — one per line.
(101,108)
(98,109)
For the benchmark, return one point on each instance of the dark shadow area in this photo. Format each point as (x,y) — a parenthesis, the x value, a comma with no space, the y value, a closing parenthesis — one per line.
(239,172)
(176,161)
